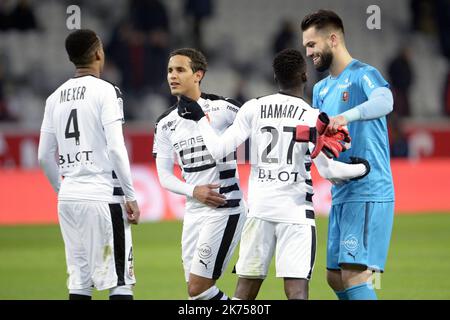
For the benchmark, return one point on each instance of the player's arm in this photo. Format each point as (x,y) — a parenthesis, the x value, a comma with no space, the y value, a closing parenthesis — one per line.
(48,146)
(169,181)
(112,119)
(331,145)
(336,171)
(164,156)
(119,158)
(219,146)
(163,153)
(204,193)
(379,102)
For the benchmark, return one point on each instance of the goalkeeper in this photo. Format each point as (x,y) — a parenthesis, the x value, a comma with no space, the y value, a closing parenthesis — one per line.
(362,212)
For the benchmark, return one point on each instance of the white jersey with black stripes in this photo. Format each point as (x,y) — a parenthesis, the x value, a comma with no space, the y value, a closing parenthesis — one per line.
(180,137)
(280,184)
(76,114)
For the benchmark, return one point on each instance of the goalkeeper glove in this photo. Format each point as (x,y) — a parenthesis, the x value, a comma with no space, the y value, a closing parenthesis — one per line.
(331,146)
(356,160)
(342,135)
(189,109)
(336,143)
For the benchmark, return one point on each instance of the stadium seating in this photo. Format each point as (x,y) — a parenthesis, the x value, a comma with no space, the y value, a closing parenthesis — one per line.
(239,33)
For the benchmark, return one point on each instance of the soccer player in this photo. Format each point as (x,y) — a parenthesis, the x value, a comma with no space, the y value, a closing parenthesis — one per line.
(215,211)
(281,214)
(96,199)
(362,212)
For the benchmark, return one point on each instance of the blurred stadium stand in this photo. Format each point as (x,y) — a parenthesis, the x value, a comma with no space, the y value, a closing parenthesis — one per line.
(238,41)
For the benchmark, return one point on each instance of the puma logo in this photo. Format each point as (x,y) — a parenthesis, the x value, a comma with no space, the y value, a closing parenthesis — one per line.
(205,264)
(352,255)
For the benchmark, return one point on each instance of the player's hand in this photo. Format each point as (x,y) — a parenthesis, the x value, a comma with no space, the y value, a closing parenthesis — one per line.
(335,124)
(189,109)
(330,144)
(355,160)
(133,211)
(341,134)
(315,135)
(206,194)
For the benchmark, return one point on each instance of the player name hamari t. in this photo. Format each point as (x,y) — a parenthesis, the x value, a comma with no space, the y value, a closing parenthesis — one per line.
(281,111)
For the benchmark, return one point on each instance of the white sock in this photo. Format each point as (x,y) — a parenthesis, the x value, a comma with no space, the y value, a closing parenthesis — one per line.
(126,290)
(210,294)
(82,292)
(234,298)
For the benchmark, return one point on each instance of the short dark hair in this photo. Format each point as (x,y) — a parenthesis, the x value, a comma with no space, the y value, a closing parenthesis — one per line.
(289,68)
(198,60)
(322,19)
(81,45)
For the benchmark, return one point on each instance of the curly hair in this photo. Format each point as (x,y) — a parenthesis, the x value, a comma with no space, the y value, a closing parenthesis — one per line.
(289,67)
(81,46)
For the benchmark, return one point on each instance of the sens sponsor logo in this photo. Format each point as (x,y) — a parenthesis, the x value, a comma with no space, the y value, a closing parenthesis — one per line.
(188,143)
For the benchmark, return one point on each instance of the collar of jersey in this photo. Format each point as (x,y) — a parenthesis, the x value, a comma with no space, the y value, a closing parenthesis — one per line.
(290,95)
(201,101)
(340,74)
(85,75)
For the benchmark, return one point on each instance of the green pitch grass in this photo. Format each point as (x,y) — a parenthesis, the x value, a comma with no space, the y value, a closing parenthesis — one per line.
(32,263)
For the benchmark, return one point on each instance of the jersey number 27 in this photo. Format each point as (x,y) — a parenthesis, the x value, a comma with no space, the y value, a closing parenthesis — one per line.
(274,132)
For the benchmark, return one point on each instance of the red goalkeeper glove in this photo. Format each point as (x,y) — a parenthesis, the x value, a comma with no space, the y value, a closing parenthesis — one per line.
(340,140)
(331,145)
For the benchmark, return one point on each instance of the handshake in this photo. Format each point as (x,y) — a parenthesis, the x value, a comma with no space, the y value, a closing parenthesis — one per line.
(330,144)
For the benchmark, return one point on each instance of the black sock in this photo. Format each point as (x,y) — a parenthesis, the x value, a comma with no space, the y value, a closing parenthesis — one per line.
(121,297)
(73,296)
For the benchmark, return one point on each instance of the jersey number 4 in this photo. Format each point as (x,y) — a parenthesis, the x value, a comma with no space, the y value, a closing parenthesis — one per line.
(274,132)
(73,121)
